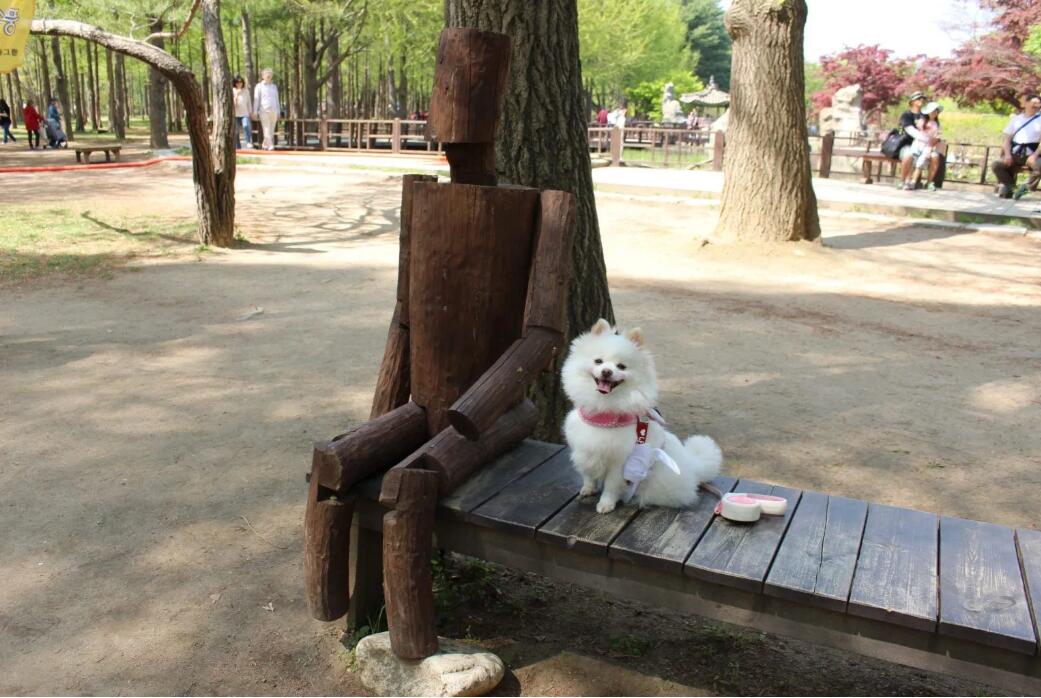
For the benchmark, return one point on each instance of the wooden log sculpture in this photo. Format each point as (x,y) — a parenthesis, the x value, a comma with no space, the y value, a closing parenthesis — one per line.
(481,298)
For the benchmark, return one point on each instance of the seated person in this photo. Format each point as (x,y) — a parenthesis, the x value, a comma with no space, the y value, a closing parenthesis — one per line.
(1020,149)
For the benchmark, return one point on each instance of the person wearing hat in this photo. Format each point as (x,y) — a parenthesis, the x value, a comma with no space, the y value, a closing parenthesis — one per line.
(1021,149)
(910,121)
(927,158)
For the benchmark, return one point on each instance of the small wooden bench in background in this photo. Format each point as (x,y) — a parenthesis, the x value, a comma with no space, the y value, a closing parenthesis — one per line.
(111,152)
(929,591)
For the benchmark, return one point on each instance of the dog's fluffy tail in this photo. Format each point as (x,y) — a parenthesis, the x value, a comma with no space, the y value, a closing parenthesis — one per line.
(708,458)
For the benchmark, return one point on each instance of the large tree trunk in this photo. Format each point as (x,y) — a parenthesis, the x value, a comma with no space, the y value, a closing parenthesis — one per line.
(542,142)
(77,86)
(214,192)
(247,50)
(45,84)
(158,137)
(222,138)
(95,87)
(767,188)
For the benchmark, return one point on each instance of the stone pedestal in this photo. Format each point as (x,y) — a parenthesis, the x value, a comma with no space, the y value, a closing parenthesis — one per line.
(456,669)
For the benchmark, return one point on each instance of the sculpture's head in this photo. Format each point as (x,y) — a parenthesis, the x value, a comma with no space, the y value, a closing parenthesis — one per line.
(469,86)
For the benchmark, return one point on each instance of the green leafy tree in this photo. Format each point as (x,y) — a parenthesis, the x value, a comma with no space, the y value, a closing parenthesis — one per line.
(625,43)
(708,40)
(645,98)
(814,83)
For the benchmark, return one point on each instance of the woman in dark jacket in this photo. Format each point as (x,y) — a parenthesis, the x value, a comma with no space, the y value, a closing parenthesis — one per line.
(5,121)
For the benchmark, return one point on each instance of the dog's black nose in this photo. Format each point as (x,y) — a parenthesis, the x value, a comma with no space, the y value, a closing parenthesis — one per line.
(606,373)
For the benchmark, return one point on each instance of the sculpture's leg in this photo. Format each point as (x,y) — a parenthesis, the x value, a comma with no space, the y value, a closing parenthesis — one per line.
(337,466)
(407,547)
(327,527)
(441,465)
(366,576)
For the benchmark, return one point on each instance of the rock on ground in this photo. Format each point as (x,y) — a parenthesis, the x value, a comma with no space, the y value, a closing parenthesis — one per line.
(456,670)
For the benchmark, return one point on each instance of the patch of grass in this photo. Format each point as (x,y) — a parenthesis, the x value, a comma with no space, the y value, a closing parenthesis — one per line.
(244,160)
(459,580)
(183,150)
(630,646)
(352,636)
(59,241)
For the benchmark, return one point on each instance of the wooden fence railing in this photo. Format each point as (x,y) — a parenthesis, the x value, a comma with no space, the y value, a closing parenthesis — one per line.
(639,145)
(393,135)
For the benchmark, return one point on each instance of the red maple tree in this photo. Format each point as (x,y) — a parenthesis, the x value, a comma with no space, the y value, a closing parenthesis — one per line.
(880,76)
(993,68)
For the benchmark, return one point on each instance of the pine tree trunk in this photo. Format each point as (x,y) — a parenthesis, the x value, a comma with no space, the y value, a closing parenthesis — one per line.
(77,88)
(95,88)
(158,137)
(48,92)
(247,50)
(61,86)
(222,135)
(543,143)
(767,188)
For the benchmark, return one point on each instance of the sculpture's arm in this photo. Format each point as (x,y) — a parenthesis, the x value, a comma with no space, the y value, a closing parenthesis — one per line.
(392,385)
(502,386)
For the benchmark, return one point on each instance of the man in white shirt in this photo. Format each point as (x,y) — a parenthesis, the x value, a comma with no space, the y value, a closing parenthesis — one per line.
(1021,149)
(267,106)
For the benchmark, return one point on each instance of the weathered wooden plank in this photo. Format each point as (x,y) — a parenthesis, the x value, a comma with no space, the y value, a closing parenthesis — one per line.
(663,538)
(739,554)
(579,526)
(981,586)
(896,576)
(496,476)
(1028,543)
(532,499)
(818,555)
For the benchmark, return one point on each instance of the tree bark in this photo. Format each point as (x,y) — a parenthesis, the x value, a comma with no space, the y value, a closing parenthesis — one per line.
(158,136)
(216,213)
(247,49)
(542,142)
(61,86)
(77,86)
(45,69)
(767,188)
(95,88)
(222,139)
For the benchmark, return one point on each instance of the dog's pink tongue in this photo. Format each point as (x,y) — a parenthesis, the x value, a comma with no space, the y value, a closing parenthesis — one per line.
(603,386)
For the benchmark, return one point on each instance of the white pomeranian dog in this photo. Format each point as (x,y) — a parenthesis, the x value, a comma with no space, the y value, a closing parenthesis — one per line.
(611,381)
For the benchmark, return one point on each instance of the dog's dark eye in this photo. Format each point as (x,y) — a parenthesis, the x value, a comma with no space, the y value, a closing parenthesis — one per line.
(598,361)
(621,367)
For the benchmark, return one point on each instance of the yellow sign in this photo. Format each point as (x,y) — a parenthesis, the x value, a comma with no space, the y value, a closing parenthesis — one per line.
(16,17)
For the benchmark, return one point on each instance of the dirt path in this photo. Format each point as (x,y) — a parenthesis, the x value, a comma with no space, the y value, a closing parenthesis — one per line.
(155,442)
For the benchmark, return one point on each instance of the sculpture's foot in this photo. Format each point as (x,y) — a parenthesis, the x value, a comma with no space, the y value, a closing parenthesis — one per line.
(456,669)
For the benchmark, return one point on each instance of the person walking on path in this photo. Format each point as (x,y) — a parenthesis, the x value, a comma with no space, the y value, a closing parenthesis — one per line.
(243,114)
(5,121)
(1021,149)
(32,120)
(267,106)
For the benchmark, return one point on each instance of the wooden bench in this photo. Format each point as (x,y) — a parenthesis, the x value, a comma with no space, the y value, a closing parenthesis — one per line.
(937,593)
(868,160)
(111,152)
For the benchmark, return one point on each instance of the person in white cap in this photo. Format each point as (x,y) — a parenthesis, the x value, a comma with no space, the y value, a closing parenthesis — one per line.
(927,149)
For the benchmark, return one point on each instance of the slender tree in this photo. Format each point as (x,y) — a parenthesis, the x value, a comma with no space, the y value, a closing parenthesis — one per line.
(158,137)
(543,143)
(767,190)
(213,155)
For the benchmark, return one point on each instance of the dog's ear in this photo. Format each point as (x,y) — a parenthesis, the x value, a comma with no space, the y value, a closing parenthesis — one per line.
(635,335)
(601,326)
